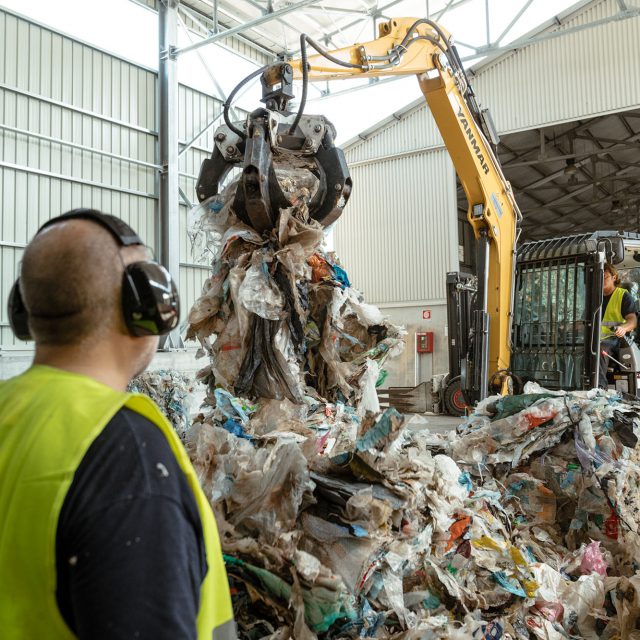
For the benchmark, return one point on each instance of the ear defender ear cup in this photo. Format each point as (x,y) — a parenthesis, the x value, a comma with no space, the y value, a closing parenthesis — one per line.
(150,301)
(18,315)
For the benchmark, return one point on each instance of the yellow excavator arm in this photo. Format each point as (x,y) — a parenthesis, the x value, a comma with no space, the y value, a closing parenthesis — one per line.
(405,46)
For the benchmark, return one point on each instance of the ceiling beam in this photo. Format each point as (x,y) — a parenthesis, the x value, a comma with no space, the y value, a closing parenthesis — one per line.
(625,124)
(243,27)
(201,20)
(555,137)
(552,187)
(517,17)
(620,145)
(622,163)
(382,9)
(364,13)
(627,142)
(616,195)
(523,42)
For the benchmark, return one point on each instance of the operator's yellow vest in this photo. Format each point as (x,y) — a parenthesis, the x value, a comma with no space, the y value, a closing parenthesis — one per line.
(613,312)
(48,420)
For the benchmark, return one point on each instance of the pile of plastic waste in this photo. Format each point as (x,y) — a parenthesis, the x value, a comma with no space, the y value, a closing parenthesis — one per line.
(521,526)
(172,391)
(338,521)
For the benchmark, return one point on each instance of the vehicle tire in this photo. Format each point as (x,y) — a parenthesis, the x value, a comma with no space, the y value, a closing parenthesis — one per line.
(454,402)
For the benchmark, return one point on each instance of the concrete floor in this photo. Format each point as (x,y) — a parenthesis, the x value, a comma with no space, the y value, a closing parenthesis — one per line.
(441,423)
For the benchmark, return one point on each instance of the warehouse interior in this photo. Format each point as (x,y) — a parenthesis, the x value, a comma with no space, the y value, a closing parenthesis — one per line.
(576,177)
(359,355)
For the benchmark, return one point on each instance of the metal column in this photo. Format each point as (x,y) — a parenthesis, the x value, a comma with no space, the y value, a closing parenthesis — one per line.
(168,207)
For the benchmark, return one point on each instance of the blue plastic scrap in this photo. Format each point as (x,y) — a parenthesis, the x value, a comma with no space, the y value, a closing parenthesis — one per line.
(431,601)
(379,431)
(230,406)
(359,532)
(464,480)
(510,584)
(235,428)
(340,275)
(367,623)
(491,631)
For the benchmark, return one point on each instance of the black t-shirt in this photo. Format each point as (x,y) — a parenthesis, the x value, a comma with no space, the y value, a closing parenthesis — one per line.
(130,553)
(628,305)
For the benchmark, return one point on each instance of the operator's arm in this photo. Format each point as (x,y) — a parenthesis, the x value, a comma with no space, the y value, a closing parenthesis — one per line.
(130,552)
(629,325)
(629,313)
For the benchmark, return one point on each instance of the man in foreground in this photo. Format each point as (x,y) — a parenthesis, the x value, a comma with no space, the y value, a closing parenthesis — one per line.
(104,530)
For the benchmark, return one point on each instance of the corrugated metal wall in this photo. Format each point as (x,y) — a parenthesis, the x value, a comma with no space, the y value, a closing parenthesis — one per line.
(415,130)
(581,74)
(195,111)
(54,89)
(396,236)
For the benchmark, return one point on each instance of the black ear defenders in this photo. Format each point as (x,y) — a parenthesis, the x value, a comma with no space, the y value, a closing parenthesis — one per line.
(150,301)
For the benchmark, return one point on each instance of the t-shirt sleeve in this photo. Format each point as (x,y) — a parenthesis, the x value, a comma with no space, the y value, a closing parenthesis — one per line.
(130,550)
(628,304)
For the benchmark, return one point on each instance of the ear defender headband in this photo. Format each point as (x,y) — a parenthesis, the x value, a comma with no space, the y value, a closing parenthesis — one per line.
(150,301)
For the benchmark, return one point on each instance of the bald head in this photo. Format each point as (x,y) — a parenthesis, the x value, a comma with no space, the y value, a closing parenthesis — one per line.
(71,282)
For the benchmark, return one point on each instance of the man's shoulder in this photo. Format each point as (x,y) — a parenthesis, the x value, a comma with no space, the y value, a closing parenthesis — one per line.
(141,436)
(626,296)
(130,458)
(131,425)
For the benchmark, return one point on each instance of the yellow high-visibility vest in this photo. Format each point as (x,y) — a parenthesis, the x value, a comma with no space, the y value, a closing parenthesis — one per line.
(613,313)
(48,420)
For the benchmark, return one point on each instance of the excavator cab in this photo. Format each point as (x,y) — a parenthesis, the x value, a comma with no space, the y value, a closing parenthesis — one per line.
(557,312)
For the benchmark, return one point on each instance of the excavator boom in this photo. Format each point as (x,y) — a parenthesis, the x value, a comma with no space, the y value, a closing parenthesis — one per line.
(274,137)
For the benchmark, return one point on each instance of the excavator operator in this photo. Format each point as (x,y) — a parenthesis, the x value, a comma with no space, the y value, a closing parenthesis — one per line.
(619,310)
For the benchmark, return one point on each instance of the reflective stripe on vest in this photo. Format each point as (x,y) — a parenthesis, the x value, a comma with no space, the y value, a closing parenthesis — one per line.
(613,313)
(48,420)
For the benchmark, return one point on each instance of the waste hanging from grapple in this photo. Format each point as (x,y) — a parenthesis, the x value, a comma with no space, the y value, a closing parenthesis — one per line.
(278,316)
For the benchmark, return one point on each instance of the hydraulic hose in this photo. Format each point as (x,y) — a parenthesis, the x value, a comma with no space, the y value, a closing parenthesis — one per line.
(232,95)
(325,54)
(305,82)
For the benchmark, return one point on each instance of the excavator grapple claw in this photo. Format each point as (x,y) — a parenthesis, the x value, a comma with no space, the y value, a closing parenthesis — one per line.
(279,167)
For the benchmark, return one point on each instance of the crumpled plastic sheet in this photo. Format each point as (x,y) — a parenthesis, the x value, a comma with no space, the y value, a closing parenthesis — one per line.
(338,521)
